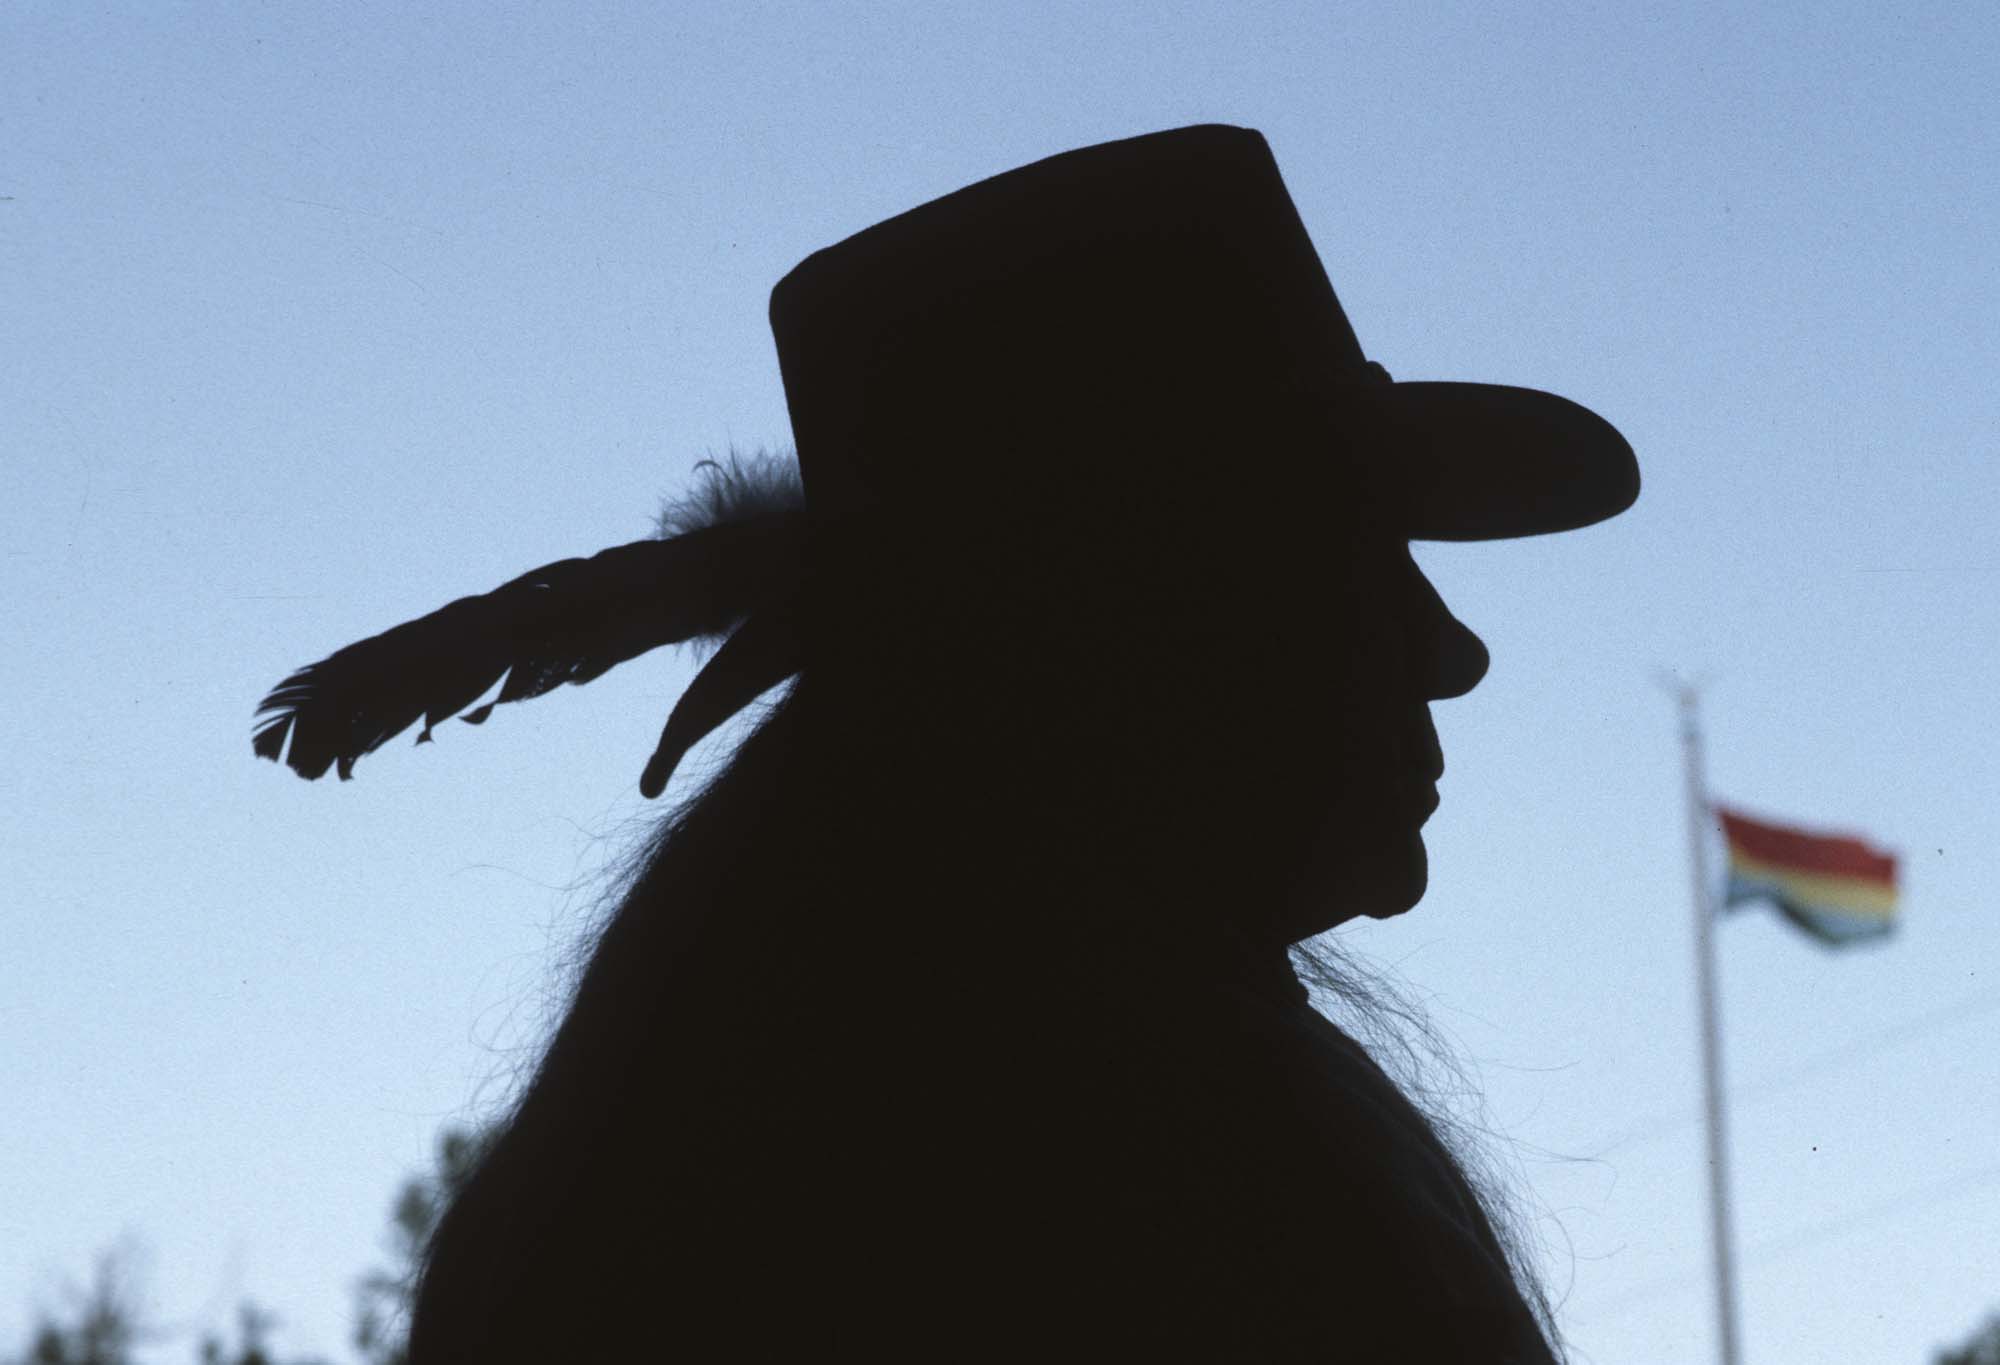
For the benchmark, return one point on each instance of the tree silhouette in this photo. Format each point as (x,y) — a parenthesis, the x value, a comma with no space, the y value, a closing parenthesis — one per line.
(254,1325)
(104,1321)
(1981,1348)
(382,1298)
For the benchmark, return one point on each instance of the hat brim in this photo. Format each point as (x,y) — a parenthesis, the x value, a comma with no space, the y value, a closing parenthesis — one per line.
(1491,462)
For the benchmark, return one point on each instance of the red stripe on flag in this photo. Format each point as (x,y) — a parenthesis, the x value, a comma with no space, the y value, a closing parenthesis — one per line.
(1825,855)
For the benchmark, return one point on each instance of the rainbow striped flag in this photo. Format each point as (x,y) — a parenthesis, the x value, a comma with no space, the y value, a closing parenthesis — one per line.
(1835,887)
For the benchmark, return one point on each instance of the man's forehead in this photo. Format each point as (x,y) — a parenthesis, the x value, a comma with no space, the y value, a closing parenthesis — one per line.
(1377,554)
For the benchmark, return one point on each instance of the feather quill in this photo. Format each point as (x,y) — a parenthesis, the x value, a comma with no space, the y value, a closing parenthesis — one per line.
(730,549)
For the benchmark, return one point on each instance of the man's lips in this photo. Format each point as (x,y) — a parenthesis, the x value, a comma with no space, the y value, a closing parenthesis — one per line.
(1419,797)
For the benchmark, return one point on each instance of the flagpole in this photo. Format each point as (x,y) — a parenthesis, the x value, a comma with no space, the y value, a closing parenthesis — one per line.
(1711,1032)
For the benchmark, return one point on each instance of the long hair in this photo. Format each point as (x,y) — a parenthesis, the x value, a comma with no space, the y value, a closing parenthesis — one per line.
(852,993)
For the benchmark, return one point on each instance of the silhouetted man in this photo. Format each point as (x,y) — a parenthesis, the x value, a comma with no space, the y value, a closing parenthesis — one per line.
(953,1017)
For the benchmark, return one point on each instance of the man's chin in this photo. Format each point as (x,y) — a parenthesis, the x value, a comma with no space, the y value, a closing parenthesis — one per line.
(1385,880)
(1398,886)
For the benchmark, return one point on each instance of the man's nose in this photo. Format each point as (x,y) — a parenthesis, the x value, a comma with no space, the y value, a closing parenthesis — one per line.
(1458,661)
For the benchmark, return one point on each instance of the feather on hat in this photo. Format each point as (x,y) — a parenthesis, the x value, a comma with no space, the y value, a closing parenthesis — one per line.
(726,566)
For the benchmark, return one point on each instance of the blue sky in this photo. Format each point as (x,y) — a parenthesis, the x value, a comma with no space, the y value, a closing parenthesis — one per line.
(305,304)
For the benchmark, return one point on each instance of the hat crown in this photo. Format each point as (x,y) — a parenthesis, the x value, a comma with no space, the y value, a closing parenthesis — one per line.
(1115,282)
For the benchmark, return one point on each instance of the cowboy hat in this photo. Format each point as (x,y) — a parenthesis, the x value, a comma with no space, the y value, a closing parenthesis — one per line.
(1163,275)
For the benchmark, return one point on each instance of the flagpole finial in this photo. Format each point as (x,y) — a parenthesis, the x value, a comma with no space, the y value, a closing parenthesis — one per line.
(1686,692)
(1674,681)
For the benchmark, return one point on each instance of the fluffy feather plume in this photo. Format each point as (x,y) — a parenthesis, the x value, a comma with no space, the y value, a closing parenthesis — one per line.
(734,545)
(747,488)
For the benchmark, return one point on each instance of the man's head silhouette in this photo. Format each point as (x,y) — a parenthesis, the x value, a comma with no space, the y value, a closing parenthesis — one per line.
(1118,379)
(1112,674)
